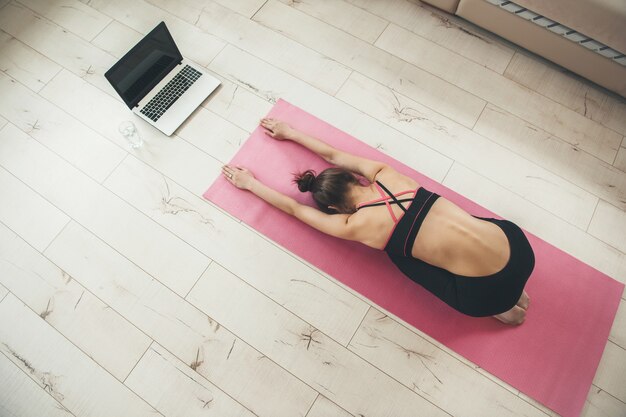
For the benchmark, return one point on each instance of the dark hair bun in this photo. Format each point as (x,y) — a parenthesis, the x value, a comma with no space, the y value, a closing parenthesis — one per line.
(305,180)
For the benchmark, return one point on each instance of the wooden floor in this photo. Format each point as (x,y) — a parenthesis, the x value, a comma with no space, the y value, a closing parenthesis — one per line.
(124,293)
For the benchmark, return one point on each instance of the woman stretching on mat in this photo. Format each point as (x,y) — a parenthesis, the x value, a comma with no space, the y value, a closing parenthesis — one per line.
(478,266)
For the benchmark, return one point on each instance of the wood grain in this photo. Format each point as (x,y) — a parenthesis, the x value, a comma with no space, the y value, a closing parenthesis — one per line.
(106,250)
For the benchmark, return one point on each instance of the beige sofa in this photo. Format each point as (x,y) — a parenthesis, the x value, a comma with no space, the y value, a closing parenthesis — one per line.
(587,37)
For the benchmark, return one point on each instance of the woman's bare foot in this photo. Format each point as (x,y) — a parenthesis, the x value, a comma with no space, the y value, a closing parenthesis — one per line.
(524,301)
(514,316)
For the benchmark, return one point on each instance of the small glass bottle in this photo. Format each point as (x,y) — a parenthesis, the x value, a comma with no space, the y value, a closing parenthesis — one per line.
(129,131)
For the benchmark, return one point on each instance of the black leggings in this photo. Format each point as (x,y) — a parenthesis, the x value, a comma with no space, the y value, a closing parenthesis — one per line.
(477,296)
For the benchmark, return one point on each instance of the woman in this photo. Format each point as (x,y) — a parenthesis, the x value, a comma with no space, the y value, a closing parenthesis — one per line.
(478,266)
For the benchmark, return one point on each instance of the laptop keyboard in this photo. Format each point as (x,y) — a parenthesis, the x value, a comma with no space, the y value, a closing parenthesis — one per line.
(168,95)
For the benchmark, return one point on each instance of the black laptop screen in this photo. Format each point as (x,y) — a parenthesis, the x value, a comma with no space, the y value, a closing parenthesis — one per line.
(145,65)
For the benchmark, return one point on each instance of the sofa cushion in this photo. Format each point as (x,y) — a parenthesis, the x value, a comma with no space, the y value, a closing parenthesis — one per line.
(447,5)
(602,20)
(554,47)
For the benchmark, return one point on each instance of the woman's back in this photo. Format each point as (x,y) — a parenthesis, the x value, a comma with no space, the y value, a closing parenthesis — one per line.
(448,237)
(435,243)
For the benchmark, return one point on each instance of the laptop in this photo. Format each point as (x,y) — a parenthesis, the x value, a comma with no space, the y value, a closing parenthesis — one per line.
(157,84)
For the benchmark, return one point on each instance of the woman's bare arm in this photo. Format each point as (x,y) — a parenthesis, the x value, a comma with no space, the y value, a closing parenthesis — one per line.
(366,167)
(337,225)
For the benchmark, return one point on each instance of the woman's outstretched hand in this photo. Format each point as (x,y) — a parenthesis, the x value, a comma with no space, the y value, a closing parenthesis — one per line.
(276,129)
(240,177)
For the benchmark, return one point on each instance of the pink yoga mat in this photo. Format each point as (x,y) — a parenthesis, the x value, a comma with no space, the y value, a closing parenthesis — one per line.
(552,357)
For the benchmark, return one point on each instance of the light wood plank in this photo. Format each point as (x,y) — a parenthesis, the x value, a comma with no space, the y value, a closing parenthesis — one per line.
(62,370)
(29,215)
(215,20)
(609,225)
(618,331)
(275,48)
(486,157)
(444,29)
(21,397)
(246,8)
(305,351)
(57,44)
(538,221)
(568,89)
(570,162)
(323,407)
(213,134)
(374,62)
(3,292)
(611,371)
(147,244)
(502,92)
(24,64)
(432,373)
(601,404)
(262,264)
(67,306)
(170,155)
(620,160)
(200,341)
(174,389)
(58,131)
(195,44)
(117,39)
(344,16)
(74,16)
(256,75)
(238,105)
(293,58)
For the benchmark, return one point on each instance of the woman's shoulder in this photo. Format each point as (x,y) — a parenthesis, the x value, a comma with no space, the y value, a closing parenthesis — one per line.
(391,178)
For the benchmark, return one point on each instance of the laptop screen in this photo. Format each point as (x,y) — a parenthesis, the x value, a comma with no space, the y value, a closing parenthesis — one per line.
(144,66)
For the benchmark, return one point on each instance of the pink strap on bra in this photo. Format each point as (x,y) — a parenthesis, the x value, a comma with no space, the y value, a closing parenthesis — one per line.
(378,200)
(384,197)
